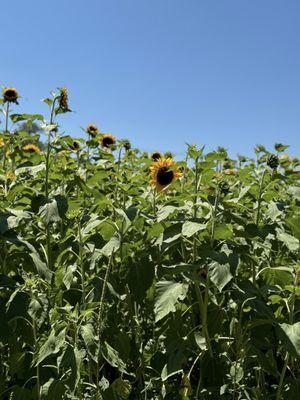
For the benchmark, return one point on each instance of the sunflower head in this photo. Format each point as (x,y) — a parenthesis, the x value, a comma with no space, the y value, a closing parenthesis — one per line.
(92,130)
(63,100)
(31,148)
(163,172)
(126,144)
(10,95)
(107,140)
(1,142)
(156,156)
(75,145)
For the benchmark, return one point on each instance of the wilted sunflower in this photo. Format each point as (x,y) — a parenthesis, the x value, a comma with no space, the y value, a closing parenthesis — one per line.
(31,148)
(107,140)
(1,142)
(10,95)
(126,144)
(63,100)
(75,145)
(163,172)
(156,156)
(92,130)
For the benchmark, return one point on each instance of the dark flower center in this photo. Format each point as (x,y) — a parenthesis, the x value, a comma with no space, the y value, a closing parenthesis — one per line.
(156,156)
(10,94)
(165,176)
(107,141)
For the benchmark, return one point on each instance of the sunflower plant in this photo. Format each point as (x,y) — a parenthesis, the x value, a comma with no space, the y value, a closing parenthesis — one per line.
(128,276)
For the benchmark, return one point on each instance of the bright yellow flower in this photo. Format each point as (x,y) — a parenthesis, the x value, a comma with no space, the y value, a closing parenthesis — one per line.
(31,148)
(163,172)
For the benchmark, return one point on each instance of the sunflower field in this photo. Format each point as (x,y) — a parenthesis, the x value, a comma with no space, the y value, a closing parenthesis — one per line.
(128,275)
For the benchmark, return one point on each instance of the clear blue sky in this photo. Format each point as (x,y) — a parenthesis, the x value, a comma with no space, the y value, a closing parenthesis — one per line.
(161,72)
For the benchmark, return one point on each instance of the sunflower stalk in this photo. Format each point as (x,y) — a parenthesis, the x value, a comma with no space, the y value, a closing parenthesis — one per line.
(100,312)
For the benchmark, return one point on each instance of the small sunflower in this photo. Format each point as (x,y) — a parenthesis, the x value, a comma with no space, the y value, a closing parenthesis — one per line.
(163,172)
(156,156)
(107,140)
(31,148)
(2,142)
(75,145)
(92,130)
(10,95)
(64,100)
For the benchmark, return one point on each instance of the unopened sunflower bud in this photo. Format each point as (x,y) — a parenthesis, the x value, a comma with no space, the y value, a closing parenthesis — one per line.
(127,144)
(63,100)
(273,161)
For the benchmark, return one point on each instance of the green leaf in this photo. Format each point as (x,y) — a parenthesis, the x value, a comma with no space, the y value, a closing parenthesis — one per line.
(112,357)
(167,294)
(290,337)
(223,232)
(26,117)
(220,274)
(52,346)
(189,228)
(290,241)
(50,212)
(41,267)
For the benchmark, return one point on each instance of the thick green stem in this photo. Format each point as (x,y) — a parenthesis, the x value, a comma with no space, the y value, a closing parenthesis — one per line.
(281,379)
(38,384)
(81,265)
(6,131)
(259,201)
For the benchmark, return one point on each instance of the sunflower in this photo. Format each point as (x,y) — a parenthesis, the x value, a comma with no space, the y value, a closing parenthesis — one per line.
(163,172)
(107,140)
(31,148)
(92,130)
(63,100)
(10,95)
(2,142)
(156,156)
(75,145)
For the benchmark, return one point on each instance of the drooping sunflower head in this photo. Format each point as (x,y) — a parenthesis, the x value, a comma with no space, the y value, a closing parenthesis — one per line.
(92,130)
(1,142)
(64,100)
(75,145)
(126,144)
(10,95)
(163,172)
(156,156)
(107,140)
(31,148)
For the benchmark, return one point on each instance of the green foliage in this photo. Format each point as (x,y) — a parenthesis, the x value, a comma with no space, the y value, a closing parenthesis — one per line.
(111,290)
